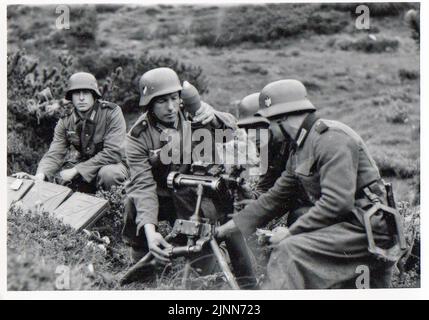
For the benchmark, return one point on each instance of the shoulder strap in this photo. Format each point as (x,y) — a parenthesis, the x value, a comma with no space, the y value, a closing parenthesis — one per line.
(137,129)
(107,104)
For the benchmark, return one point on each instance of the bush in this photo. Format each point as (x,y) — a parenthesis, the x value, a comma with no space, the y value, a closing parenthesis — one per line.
(152,11)
(32,109)
(255,69)
(408,275)
(406,74)
(82,32)
(368,44)
(83,24)
(119,74)
(111,222)
(38,244)
(398,113)
(107,8)
(381,9)
(397,164)
(412,18)
(327,22)
(261,23)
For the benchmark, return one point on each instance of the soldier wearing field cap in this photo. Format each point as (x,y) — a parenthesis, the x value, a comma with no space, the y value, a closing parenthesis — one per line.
(148,198)
(330,166)
(95,131)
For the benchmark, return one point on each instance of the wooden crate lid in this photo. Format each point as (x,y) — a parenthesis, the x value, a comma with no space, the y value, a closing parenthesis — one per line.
(48,196)
(81,210)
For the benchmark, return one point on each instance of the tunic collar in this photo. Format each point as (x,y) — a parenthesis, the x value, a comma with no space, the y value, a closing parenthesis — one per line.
(90,114)
(305,128)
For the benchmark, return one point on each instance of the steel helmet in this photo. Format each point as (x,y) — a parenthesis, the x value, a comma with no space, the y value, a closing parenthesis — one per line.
(157,82)
(283,96)
(82,80)
(247,108)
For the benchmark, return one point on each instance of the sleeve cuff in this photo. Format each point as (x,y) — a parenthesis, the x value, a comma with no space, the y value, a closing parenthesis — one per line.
(244,224)
(148,220)
(85,175)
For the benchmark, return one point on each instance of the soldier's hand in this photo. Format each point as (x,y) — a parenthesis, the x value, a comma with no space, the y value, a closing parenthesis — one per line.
(25,175)
(205,114)
(263,236)
(225,230)
(68,174)
(246,191)
(22,175)
(157,246)
(279,234)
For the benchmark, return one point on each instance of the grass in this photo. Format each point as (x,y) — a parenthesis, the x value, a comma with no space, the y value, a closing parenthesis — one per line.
(41,250)
(358,88)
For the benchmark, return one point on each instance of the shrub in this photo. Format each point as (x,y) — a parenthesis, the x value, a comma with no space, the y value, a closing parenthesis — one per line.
(406,74)
(412,18)
(368,44)
(167,29)
(261,23)
(152,11)
(381,9)
(38,244)
(83,23)
(111,222)
(82,32)
(107,8)
(255,69)
(312,85)
(395,164)
(119,74)
(32,109)
(327,22)
(408,275)
(398,113)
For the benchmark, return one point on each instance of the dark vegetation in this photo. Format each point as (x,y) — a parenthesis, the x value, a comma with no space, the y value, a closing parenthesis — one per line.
(366,78)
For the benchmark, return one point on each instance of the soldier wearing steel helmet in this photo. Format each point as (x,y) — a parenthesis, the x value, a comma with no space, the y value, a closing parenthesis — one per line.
(148,198)
(95,130)
(277,150)
(328,244)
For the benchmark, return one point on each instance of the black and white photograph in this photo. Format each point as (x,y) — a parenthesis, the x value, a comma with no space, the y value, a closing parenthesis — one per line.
(212,146)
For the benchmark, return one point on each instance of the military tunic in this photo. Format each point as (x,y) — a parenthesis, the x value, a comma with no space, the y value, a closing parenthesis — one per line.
(98,141)
(278,154)
(148,173)
(331,164)
(149,200)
